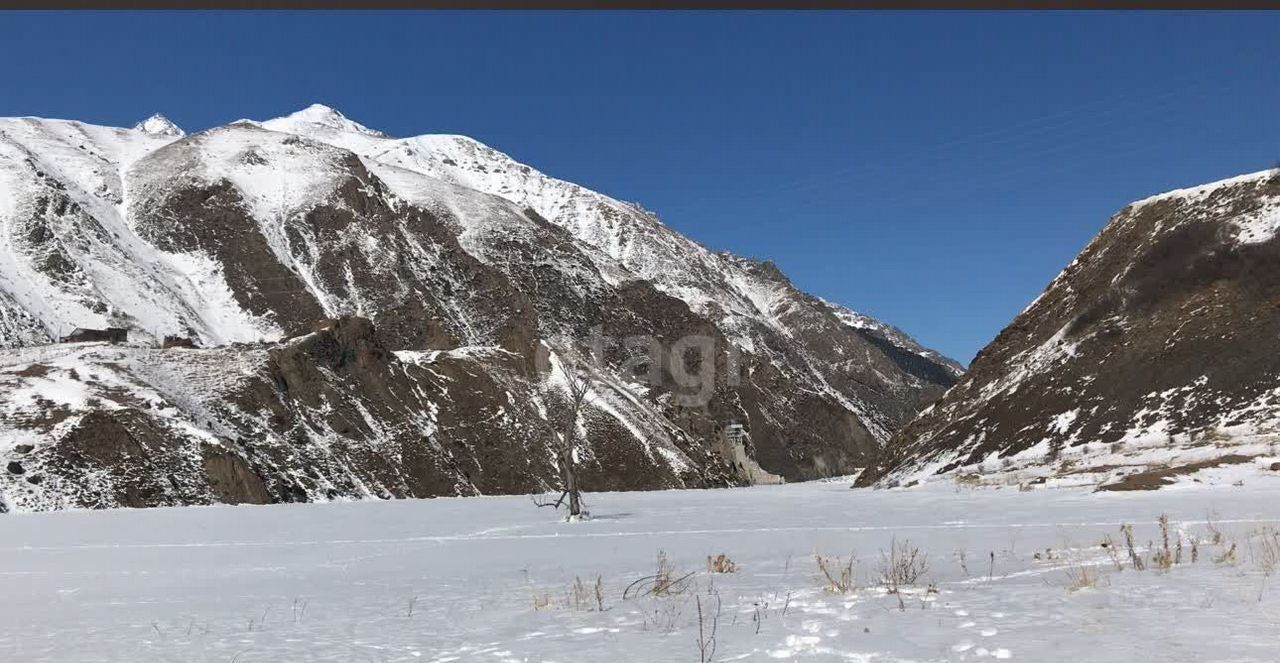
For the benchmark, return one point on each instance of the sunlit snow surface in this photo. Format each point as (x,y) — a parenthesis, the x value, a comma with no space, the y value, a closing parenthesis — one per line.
(458,579)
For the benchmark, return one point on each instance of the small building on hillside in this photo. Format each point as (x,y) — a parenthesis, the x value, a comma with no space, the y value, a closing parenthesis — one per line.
(109,335)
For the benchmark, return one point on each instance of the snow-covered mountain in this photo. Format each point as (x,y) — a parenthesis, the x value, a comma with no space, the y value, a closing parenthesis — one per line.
(159,125)
(456,281)
(1154,354)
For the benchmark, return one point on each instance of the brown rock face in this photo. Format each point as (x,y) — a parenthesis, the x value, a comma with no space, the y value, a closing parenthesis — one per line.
(232,480)
(135,451)
(1165,329)
(329,414)
(211,220)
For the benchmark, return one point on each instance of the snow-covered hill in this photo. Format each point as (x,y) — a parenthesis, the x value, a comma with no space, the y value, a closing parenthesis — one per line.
(1153,355)
(251,233)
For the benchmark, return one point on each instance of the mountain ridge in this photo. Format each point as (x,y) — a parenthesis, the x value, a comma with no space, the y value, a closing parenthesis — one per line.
(1150,352)
(245,236)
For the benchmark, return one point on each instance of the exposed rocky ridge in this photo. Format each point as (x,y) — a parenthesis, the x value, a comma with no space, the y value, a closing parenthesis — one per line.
(329,414)
(474,278)
(1155,349)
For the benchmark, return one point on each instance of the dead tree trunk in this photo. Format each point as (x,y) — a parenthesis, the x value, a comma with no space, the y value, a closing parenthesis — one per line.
(578,383)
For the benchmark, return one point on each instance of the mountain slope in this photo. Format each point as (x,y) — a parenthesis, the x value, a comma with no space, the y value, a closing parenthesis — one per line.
(243,237)
(1153,354)
(748,301)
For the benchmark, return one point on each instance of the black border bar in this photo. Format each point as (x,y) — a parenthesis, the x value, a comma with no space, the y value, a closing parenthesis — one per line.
(641,4)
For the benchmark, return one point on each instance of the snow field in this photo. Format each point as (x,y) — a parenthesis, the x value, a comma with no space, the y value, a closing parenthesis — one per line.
(493,579)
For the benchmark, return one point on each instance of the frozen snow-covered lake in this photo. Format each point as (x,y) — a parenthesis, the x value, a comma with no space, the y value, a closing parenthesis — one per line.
(489,579)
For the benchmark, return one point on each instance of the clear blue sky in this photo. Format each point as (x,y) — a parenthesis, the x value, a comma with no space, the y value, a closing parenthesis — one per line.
(933,170)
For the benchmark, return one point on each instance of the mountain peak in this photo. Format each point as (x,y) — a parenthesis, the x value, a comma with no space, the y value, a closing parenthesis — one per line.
(320,113)
(159,125)
(325,116)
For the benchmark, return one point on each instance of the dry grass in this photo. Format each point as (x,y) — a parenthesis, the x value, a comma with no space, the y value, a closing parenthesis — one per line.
(721,564)
(665,581)
(542,601)
(1081,577)
(902,565)
(587,597)
(1215,534)
(1264,548)
(581,596)
(1173,549)
(1158,476)
(1266,554)
(1228,557)
(1164,558)
(707,634)
(1134,558)
(662,580)
(837,574)
(664,616)
(1113,551)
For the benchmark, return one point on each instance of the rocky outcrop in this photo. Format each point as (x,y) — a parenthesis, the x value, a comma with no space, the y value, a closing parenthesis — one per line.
(332,414)
(1157,347)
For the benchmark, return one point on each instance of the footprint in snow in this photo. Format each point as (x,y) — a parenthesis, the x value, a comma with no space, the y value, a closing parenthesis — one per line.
(968,647)
(797,644)
(982,652)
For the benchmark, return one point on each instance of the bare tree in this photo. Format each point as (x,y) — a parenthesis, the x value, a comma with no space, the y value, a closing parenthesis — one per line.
(577,383)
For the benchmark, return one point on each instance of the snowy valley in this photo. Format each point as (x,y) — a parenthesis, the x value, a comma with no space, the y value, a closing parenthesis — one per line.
(1044,575)
(320,313)
(349,333)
